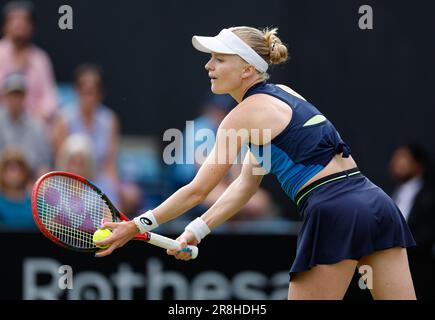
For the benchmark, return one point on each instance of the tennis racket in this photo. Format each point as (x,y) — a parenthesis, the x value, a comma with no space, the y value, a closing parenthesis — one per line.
(68,209)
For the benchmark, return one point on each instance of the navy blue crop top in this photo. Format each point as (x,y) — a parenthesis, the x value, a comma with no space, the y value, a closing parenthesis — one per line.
(304,147)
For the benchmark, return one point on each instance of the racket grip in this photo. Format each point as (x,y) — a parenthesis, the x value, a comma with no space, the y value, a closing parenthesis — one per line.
(168,243)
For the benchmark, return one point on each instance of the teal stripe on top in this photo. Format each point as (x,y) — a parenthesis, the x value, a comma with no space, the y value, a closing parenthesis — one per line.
(292,176)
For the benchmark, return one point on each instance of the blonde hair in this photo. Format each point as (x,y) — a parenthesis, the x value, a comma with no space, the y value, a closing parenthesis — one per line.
(265,42)
(77,143)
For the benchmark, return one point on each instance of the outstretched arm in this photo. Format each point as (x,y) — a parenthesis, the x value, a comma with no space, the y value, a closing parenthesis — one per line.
(229,141)
(213,170)
(236,196)
(229,203)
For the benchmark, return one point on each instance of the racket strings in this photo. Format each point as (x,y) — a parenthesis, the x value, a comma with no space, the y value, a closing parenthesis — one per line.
(71,210)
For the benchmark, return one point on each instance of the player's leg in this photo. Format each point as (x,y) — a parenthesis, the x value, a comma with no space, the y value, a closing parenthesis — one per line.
(391,275)
(329,282)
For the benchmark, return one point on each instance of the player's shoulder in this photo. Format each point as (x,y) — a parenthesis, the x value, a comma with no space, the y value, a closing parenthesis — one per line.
(243,115)
(254,106)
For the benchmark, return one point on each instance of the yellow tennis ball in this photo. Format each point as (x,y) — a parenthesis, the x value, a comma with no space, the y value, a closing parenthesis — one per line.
(101,234)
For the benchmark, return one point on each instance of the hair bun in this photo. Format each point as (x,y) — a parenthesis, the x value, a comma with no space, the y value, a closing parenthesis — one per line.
(277,50)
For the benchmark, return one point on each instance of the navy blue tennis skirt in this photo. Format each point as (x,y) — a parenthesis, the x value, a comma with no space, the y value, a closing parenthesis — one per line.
(346,216)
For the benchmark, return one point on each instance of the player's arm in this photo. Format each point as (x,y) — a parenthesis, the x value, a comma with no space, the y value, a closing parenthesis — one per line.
(213,170)
(209,175)
(237,194)
(229,203)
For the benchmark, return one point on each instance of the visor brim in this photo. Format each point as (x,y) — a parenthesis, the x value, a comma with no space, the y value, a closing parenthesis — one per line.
(210,44)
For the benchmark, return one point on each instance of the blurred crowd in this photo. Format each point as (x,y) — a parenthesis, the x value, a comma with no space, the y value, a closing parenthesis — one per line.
(37,136)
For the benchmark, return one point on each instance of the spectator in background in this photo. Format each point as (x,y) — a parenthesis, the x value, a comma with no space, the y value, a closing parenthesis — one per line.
(415,196)
(215,108)
(93,119)
(77,155)
(15,202)
(19,54)
(19,130)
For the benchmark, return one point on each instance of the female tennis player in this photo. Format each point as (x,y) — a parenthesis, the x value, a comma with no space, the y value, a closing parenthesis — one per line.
(348,220)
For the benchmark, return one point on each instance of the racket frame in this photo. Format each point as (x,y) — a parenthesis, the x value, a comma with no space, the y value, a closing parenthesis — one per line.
(117,216)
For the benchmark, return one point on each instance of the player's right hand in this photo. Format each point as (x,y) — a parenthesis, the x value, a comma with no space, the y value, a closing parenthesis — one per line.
(181,253)
(122,232)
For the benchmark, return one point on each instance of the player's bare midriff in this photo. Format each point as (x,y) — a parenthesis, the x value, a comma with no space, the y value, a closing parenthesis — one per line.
(337,164)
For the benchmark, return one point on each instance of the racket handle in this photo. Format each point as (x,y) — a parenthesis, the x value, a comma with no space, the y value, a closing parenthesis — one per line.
(168,243)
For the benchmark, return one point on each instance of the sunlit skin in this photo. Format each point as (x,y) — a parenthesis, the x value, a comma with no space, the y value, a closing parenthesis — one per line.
(228,74)
(231,74)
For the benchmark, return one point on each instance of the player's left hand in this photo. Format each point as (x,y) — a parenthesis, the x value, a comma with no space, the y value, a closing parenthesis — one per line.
(181,253)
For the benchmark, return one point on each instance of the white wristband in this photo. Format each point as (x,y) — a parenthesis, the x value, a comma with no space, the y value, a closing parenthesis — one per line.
(199,229)
(146,221)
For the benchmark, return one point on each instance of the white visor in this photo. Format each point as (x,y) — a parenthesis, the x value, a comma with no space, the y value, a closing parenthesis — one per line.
(227,42)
